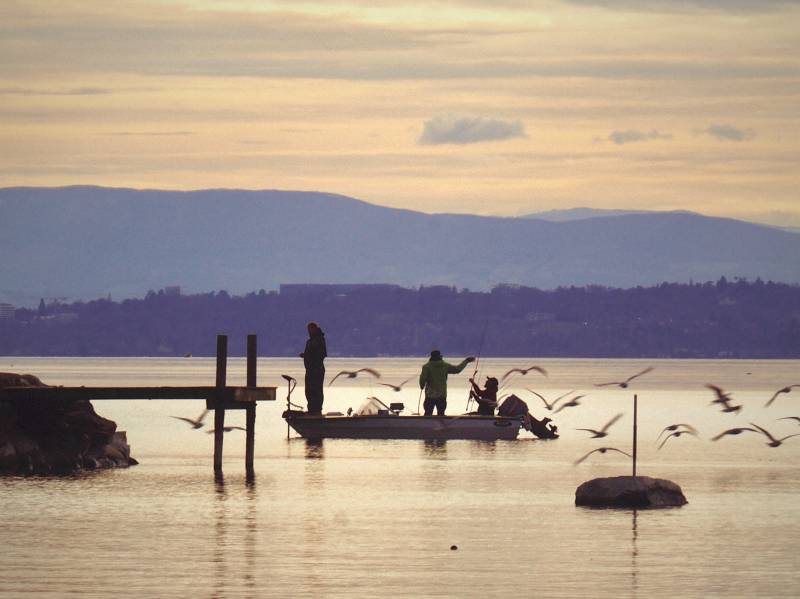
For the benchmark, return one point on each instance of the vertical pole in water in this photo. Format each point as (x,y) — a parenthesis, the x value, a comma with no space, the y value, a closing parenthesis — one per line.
(252,356)
(219,409)
(635,415)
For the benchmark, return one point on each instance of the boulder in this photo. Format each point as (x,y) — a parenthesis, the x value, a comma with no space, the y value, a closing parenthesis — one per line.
(54,436)
(629,492)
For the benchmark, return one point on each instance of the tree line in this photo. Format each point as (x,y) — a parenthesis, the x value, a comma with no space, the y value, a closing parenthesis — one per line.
(721,319)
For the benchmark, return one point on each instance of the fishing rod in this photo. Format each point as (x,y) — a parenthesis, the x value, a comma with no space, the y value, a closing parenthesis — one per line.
(477,361)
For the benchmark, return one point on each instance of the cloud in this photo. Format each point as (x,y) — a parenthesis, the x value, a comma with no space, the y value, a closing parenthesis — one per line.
(77,91)
(727,133)
(686,6)
(450,129)
(631,135)
(149,133)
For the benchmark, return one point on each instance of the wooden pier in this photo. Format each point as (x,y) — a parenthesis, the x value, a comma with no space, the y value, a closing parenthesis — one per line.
(219,397)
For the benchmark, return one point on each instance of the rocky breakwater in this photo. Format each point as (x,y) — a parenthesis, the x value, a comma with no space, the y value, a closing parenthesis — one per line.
(49,437)
(629,492)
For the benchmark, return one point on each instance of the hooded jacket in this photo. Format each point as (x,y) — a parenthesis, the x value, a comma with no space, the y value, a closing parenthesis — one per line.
(434,377)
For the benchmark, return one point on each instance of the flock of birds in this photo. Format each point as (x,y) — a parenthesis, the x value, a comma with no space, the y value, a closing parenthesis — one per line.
(673,431)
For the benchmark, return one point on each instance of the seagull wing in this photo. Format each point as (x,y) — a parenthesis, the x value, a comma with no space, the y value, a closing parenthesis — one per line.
(765,431)
(189,420)
(538,369)
(610,422)
(581,459)
(509,373)
(337,376)
(732,431)
(202,416)
(789,436)
(638,374)
(796,418)
(667,438)
(374,373)
(773,398)
(549,406)
(605,384)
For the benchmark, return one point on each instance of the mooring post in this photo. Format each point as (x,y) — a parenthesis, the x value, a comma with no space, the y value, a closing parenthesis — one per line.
(219,409)
(252,357)
(635,416)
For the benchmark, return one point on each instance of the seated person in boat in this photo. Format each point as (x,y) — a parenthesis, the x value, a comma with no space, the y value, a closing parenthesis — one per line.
(434,380)
(487,397)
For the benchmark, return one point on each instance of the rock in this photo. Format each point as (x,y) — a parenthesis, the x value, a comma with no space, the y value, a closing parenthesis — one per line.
(56,437)
(629,492)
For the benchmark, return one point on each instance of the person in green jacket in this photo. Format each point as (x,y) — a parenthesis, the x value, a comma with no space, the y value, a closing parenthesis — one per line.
(434,380)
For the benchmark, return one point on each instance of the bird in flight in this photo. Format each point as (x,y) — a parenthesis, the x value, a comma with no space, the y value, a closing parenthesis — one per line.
(600,450)
(733,431)
(624,384)
(351,374)
(674,427)
(676,434)
(549,405)
(773,442)
(795,418)
(723,398)
(395,388)
(603,432)
(196,423)
(524,371)
(227,429)
(787,389)
(572,403)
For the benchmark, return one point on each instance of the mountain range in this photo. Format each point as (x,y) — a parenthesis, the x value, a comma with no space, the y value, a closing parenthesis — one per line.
(85,242)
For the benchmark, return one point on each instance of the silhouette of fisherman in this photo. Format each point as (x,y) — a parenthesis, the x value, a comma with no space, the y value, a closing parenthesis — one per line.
(313,356)
(486,397)
(434,380)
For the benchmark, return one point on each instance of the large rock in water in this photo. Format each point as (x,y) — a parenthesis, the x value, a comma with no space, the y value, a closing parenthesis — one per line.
(56,437)
(629,492)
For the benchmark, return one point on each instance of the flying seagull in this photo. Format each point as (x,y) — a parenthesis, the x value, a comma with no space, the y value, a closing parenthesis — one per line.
(197,423)
(624,384)
(787,389)
(601,450)
(351,374)
(673,427)
(572,403)
(723,398)
(548,405)
(773,442)
(603,431)
(524,371)
(733,431)
(397,387)
(676,434)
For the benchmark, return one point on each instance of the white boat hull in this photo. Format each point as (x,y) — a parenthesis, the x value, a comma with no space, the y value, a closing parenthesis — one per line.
(485,428)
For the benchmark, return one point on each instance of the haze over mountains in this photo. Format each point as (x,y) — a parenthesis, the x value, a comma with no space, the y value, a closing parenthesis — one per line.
(87,242)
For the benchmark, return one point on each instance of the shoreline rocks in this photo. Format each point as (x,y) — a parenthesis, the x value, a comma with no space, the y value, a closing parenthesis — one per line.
(56,437)
(629,492)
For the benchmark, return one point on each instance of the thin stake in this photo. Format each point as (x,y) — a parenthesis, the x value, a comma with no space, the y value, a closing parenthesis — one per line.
(252,360)
(635,416)
(219,410)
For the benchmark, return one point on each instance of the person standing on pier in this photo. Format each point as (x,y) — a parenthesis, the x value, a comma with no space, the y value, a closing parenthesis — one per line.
(314,356)
(434,380)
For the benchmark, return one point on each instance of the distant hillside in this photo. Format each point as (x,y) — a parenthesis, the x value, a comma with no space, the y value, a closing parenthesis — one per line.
(87,242)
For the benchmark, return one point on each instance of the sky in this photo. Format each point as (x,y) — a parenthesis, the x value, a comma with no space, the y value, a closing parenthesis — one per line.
(507,107)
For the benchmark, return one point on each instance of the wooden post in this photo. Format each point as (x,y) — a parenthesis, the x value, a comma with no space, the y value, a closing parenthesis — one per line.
(219,410)
(635,416)
(252,357)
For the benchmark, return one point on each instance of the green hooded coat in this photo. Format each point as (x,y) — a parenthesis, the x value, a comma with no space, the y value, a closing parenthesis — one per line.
(434,377)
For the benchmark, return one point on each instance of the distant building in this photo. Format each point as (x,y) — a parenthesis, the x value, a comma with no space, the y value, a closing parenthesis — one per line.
(333,288)
(6,311)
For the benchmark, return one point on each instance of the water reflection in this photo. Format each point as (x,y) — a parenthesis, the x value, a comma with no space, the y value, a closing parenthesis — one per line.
(220,536)
(634,554)
(435,448)
(315,449)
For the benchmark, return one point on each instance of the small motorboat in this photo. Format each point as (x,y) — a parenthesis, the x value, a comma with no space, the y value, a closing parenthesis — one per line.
(376,420)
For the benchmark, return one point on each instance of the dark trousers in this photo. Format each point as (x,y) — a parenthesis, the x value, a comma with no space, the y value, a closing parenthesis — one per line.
(440,403)
(314,386)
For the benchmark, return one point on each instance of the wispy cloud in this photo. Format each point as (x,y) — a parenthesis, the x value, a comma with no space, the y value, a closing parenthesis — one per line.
(727,133)
(452,129)
(673,6)
(77,91)
(149,133)
(632,135)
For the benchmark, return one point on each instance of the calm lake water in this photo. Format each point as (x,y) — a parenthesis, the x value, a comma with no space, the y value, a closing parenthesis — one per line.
(378,518)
